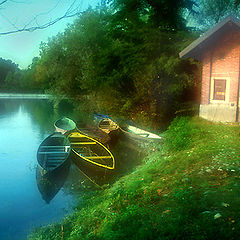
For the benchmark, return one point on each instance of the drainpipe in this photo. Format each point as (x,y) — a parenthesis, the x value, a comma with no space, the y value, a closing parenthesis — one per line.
(237,113)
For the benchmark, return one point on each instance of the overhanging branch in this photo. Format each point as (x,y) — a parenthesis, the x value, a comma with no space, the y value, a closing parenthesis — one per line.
(70,12)
(1,3)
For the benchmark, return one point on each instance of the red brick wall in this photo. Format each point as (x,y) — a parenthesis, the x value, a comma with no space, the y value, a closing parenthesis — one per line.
(225,63)
(206,72)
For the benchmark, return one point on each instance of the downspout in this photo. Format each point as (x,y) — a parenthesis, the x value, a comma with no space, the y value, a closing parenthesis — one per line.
(237,108)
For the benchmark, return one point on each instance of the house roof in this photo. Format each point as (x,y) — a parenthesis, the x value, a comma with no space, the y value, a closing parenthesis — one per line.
(196,48)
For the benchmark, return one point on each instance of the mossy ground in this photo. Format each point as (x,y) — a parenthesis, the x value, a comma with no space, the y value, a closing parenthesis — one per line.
(188,187)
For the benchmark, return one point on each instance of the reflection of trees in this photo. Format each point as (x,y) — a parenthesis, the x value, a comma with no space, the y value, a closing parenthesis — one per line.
(40,112)
(7,107)
(43,114)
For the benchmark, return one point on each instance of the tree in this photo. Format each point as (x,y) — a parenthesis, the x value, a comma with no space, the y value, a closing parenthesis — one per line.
(74,8)
(165,14)
(209,12)
(6,66)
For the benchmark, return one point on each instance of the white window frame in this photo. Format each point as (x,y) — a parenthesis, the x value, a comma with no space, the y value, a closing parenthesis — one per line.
(227,90)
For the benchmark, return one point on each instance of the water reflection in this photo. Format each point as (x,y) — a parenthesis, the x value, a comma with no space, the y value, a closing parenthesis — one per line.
(23,126)
(49,183)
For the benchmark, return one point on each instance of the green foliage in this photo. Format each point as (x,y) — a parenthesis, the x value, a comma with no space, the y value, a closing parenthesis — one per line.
(209,12)
(180,134)
(6,67)
(122,58)
(187,194)
(164,14)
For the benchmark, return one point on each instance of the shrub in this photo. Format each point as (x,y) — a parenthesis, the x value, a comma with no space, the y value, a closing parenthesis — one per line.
(179,134)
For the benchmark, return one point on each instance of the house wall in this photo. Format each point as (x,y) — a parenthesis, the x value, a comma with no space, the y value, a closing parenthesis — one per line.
(221,61)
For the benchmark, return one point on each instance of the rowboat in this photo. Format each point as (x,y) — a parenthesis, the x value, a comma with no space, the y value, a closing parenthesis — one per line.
(54,152)
(108,125)
(105,123)
(98,116)
(139,134)
(90,151)
(64,124)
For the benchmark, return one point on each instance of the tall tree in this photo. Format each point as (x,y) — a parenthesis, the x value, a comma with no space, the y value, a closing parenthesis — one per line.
(209,12)
(6,66)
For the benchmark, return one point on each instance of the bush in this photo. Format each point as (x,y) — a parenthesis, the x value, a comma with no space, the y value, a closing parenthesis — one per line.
(179,134)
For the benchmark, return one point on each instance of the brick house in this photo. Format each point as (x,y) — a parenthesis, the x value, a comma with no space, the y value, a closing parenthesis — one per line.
(219,51)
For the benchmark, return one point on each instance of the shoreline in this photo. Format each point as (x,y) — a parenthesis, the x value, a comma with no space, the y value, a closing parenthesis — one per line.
(24,96)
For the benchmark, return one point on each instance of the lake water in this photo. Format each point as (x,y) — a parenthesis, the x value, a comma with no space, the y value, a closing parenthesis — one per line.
(23,126)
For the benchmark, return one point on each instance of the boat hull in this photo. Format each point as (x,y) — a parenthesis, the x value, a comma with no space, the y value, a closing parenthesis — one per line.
(140,134)
(64,125)
(54,152)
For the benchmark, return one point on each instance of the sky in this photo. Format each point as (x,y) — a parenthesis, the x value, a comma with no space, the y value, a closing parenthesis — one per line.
(22,47)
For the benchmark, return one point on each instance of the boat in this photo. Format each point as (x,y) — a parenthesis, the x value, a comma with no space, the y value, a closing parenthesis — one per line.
(108,125)
(64,125)
(139,134)
(105,123)
(94,132)
(98,116)
(54,152)
(90,151)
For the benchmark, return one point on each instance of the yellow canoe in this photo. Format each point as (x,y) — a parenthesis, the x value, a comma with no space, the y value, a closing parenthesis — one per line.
(91,150)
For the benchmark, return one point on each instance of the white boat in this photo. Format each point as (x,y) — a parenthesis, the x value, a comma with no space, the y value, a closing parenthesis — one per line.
(140,134)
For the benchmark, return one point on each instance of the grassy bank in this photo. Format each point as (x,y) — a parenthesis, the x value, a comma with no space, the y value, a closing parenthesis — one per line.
(188,187)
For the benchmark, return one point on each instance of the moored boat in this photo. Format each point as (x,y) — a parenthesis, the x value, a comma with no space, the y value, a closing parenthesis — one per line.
(54,152)
(107,125)
(64,125)
(90,151)
(140,134)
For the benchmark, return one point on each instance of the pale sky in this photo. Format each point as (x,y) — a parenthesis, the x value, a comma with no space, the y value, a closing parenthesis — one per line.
(22,47)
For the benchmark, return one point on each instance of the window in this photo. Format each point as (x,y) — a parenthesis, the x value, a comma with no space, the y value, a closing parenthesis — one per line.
(219,91)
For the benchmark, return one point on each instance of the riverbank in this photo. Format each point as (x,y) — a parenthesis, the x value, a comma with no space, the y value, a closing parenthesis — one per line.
(24,96)
(186,188)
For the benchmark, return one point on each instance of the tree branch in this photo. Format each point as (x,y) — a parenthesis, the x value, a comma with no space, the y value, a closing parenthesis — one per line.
(70,12)
(1,3)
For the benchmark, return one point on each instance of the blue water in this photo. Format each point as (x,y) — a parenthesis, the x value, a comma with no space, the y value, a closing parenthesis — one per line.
(23,126)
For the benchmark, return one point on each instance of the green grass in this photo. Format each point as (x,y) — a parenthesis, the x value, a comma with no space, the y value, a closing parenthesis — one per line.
(188,187)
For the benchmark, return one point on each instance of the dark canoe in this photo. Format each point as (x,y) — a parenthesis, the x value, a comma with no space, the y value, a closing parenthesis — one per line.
(91,152)
(64,125)
(54,152)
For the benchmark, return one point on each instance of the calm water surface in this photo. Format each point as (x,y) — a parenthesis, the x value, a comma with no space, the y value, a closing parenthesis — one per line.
(23,126)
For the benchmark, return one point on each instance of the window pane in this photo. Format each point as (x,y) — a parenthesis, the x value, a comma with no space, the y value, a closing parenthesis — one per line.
(219,89)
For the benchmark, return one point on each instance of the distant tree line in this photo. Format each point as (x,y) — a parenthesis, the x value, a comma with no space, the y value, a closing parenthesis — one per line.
(123,58)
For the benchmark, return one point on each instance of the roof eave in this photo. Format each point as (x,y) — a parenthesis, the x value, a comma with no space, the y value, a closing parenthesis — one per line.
(187,52)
